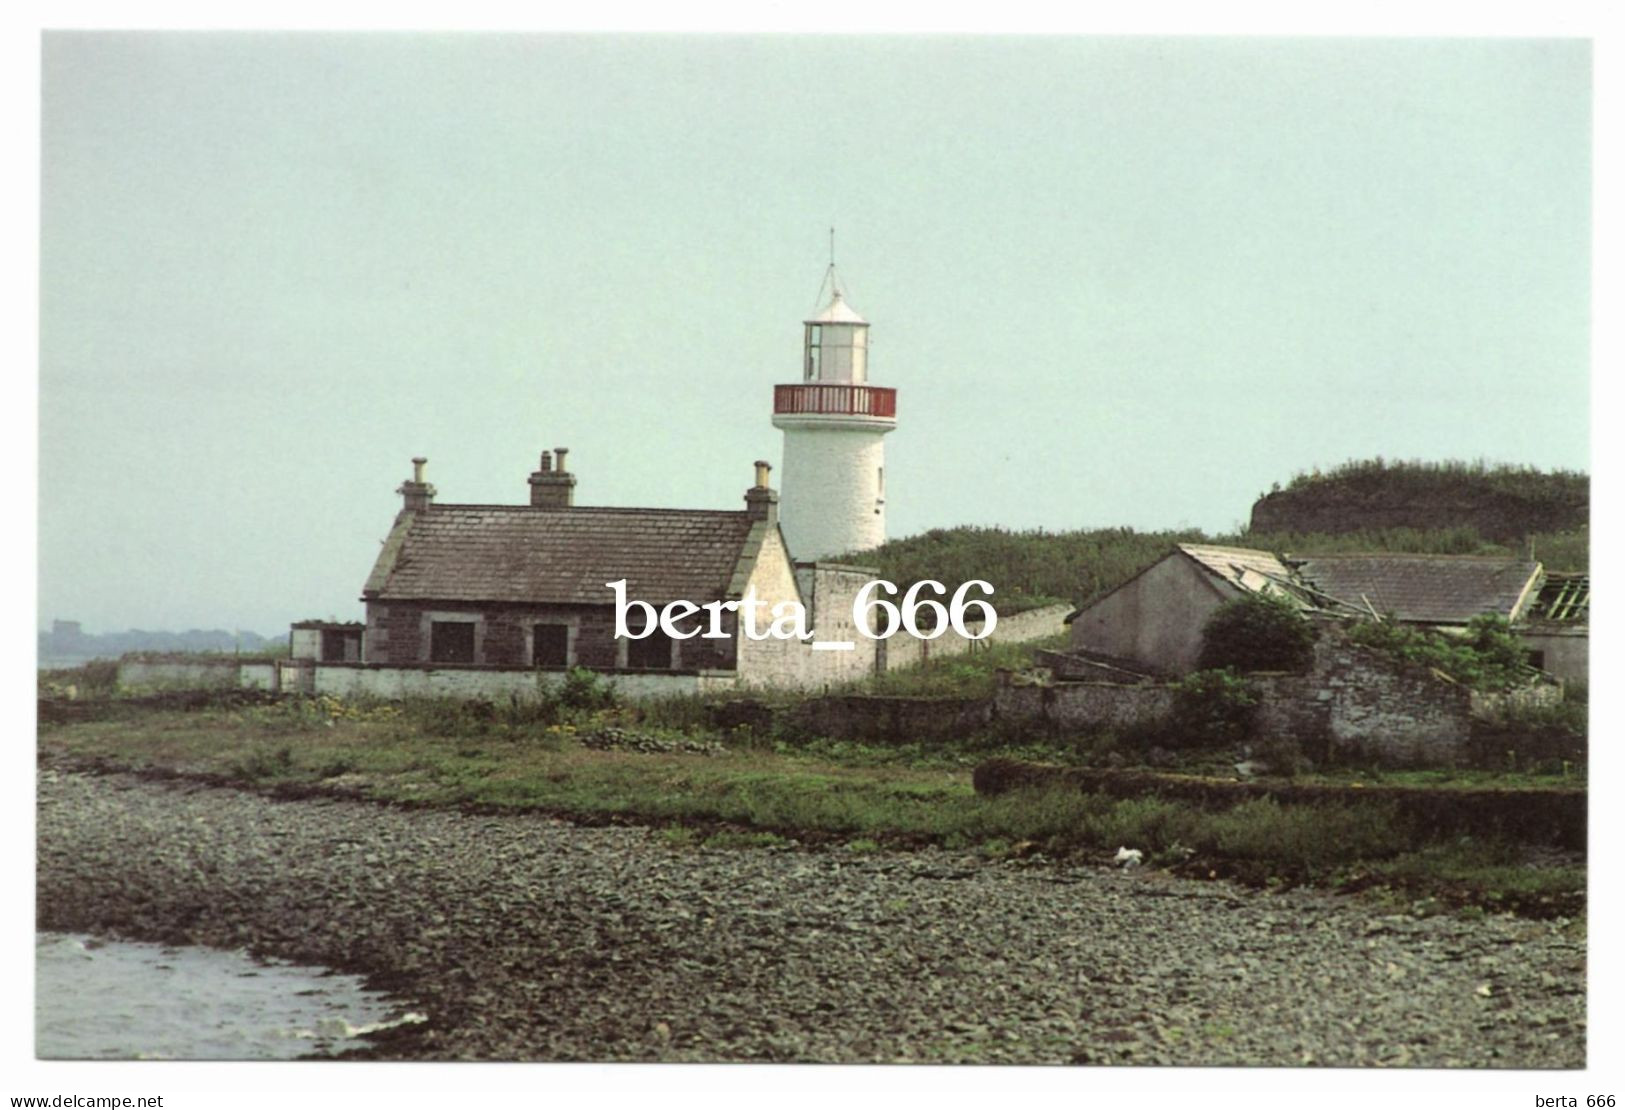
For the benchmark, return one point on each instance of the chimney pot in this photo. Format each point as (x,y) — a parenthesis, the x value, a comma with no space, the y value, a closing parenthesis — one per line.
(418,494)
(761,500)
(552,487)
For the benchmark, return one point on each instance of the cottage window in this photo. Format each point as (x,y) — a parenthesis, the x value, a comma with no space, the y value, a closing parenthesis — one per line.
(340,645)
(451,642)
(653,651)
(550,645)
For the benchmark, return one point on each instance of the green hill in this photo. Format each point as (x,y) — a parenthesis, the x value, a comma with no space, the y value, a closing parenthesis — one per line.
(1501,503)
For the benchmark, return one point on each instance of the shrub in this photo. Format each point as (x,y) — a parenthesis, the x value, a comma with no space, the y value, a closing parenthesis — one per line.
(1258,632)
(1488,657)
(263,763)
(1213,707)
(584,689)
(95,679)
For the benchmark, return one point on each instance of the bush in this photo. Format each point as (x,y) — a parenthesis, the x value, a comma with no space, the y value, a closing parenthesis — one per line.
(584,689)
(1488,657)
(1213,707)
(95,679)
(1258,632)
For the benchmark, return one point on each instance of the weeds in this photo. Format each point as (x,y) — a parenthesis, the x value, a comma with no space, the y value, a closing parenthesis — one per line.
(264,763)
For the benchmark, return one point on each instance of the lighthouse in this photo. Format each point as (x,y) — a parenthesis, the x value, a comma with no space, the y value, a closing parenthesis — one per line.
(833,484)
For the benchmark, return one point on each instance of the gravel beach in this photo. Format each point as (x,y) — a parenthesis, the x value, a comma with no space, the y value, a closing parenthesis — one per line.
(526,938)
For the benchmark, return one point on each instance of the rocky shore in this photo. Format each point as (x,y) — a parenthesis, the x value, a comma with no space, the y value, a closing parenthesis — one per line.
(525,938)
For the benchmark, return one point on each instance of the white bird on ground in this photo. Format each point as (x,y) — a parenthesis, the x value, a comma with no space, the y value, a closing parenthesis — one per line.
(1128,857)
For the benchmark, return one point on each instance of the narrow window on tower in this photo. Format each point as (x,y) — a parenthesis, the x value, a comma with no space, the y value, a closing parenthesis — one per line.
(814,346)
(880,487)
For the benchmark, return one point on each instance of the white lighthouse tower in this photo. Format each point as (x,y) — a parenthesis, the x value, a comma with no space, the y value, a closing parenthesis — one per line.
(834,478)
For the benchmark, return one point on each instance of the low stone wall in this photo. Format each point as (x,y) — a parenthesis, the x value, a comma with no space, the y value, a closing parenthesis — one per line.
(890,719)
(903,650)
(1082,705)
(201,674)
(349,680)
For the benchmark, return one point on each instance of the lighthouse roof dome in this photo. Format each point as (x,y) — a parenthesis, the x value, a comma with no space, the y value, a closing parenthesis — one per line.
(837,312)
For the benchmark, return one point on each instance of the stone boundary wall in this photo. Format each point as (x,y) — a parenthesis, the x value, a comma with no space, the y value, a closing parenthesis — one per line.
(201,674)
(1082,705)
(903,650)
(350,680)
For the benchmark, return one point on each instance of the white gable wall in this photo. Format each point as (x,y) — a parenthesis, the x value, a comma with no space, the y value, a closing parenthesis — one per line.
(1155,619)
(792,664)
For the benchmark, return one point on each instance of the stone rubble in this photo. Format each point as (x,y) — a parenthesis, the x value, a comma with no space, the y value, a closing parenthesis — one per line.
(527,938)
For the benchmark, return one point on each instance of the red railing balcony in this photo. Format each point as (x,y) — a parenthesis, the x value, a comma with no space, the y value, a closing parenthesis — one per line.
(834,400)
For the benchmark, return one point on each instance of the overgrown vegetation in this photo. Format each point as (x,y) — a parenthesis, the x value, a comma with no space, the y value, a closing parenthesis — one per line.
(95,679)
(761,793)
(1212,707)
(1257,632)
(1487,657)
(1414,478)
(1033,568)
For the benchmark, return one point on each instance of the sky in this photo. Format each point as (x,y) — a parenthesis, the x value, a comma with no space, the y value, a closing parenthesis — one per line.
(1116,281)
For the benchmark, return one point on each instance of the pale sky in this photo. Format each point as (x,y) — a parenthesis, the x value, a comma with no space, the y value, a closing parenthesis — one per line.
(1116,281)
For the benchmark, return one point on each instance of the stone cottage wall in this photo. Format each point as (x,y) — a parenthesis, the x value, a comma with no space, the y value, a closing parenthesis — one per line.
(397,634)
(1358,705)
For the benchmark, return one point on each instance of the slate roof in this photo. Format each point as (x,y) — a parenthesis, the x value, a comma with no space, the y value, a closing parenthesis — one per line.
(1428,589)
(517,553)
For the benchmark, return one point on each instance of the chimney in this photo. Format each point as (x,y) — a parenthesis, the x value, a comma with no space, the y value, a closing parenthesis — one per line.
(552,487)
(418,494)
(762,500)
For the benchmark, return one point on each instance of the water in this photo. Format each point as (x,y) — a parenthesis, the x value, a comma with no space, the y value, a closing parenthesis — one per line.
(114,1000)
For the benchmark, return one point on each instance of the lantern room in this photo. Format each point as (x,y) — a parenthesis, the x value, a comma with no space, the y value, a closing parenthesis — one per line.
(837,345)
